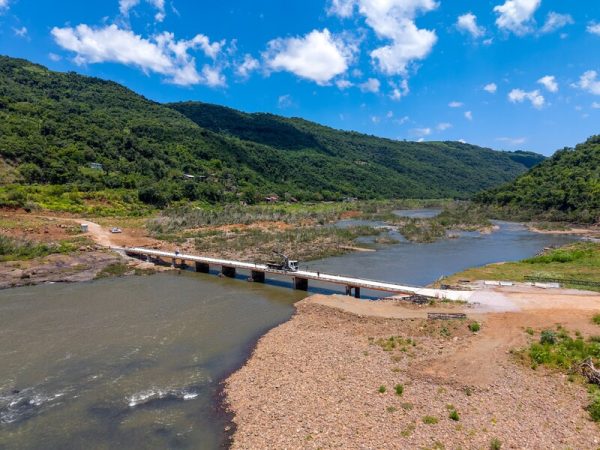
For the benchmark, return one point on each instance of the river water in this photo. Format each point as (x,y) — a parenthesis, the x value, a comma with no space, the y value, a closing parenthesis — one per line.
(136,362)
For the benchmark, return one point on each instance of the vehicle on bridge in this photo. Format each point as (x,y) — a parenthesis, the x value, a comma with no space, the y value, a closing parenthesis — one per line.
(285,263)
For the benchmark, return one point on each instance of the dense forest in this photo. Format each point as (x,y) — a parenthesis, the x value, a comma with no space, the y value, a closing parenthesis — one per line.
(91,134)
(565,187)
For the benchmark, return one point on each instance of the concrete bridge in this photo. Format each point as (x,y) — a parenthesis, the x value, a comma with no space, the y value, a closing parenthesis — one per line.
(300,278)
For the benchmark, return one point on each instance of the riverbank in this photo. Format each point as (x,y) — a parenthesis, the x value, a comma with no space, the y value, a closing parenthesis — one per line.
(338,377)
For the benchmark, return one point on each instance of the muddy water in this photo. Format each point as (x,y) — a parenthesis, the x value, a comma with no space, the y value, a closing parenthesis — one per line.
(126,363)
(135,362)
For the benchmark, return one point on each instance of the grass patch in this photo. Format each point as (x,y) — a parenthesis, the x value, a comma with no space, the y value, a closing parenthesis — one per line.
(474,327)
(12,249)
(559,351)
(382,389)
(430,420)
(579,261)
(454,415)
(596,319)
(399,389)
(495,444)
(113,270)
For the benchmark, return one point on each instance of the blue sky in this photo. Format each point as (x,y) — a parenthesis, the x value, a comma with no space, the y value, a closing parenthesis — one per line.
(507,74)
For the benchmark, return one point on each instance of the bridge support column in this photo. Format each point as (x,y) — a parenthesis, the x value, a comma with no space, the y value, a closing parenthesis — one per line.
(357,292)
(257,276)
(228,271)
(300,284)
(183,264)
(348,290)
(173,262)
(202,267)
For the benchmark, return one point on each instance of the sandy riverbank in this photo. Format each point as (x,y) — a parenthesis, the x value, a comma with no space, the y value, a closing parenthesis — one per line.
(314,381)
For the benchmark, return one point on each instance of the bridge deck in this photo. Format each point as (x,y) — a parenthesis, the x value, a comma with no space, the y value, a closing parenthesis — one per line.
(308,275)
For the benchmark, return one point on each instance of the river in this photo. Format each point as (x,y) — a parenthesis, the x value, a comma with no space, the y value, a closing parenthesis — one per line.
(136,362)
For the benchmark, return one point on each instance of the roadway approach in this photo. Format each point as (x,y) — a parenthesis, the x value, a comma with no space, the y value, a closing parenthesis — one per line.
(300,277)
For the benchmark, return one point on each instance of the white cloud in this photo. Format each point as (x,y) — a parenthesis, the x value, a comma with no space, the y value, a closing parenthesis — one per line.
(420,140)
(20,32)
(491,88)
(589,82)
(285,101)
(455,104)
(3,4)
(343,84)
(375,119)
(342,8)
(549,82)
(125,6)
(444,126)
(489,41)
(555,21)
(318,56)
(512,141)
(468,22)
(247,66)
(468,115)
(402,120)
(421,131)
(160,54)
(389,114)
(516,16)
(593,28)
(393,20)
(399,90)
(54,57)
(462,141)
(596,105)
(371,85)
(519,96)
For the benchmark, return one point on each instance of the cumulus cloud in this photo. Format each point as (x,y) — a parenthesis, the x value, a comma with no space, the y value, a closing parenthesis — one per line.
(344,84)
(468,23)
(596,105)
(556,21)
(593,28)
(549,82)
(371,85)
(455,104)
(3,5)
(444,126)
(393,20)
(468,115)
(516,16)
(589,82)
(491,88)
(399,90)
(519,96)
(247,66)
(54,57)
(125,6)
(318,56)
(160,54)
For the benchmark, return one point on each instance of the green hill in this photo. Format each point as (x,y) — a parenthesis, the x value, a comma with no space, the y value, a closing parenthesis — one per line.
(563,187)
(88,134)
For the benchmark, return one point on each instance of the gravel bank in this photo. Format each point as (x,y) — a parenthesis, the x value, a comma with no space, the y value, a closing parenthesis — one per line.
(314,382)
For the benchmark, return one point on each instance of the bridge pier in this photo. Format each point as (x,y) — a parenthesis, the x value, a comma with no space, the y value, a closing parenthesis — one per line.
(300,284)
(202,267)
(228,271)
(257,276)
(356,291)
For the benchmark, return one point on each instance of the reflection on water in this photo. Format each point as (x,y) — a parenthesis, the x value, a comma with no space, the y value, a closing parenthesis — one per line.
(134,362)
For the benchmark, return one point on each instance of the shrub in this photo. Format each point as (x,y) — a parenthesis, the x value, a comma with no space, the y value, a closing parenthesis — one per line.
(548,337)
(594,407)
(454,415)
(529,331)
(399,388)
(474,327)
(430,420)
(495,444)
(596,319)
(382,389)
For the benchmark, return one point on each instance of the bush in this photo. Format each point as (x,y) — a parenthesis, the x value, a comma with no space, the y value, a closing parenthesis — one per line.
(399,388)
(596,319)
(548,337)
(382,389)
(474,327)
(454,415)
(495,444)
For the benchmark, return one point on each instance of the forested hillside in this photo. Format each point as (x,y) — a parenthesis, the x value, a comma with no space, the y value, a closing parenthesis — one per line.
(564,187)
(90,134)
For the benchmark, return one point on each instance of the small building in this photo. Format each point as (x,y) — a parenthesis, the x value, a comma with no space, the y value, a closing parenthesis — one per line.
(273,198)
(84,227)
(96,166)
